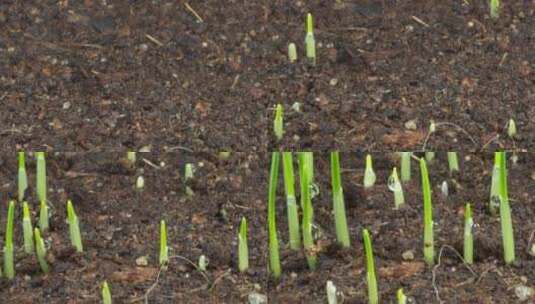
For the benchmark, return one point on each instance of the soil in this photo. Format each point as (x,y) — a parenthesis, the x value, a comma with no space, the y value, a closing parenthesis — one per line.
(120,225)
(94,76)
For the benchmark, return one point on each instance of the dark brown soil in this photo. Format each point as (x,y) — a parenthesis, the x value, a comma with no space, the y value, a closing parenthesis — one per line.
(84,76)
(120,225)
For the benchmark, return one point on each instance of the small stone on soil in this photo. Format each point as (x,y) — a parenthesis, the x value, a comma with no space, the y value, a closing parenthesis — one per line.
(411,124)
(524,293)
(142,261)
(257,298)
(408,255)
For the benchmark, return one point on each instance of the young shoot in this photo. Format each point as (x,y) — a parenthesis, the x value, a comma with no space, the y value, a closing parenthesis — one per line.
(406,166)
(74,228)
(495,9)
(402,299)
(131,157)
(164,250)
(444,188)
(106,294)
(511,128)
(22,177)
(9,266)
(43,216)
(373,294)
(291,203)
(292,52)
(331,293)
(340,220)
(27,229)
(369,174)
(203,262)
(505,213)
(494,201)
(395,186)
(468,236)
(189,170)
(429,244)
(278,124)
(40,250)
(310,42)
(41,176)
(274,259)
(243,248)
(308,238)
(453,162)
(140,183)
(429,156)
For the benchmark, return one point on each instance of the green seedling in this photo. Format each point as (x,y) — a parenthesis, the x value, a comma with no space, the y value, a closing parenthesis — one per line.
(27,229)
(308,238)
(43,216)
(444,188)
(453,162)
(511,128)
(406,166)
(494,202)
(505,213)
(310,42)
(40,250)
(291,203)
(164,250)
(74,228)
(203,262)
(274,259)
(41,176)
(106,294)
(292,52)
(402,299)
(189,170)
(395,186)
(369,174)
(340,220)
(131,157)
(243,248)
(495,9)
(429,244)
(22,177)
(373,294)
(278,124)
(9,266)
(140,183)
(331,293)
(429,156)
(468,236)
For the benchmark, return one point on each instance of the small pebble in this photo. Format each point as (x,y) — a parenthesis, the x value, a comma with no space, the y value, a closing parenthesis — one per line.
(532,250)
(524,293)
(411,124)
(66,105)
(257,298)
(333,82)
(408,255)
(142,261)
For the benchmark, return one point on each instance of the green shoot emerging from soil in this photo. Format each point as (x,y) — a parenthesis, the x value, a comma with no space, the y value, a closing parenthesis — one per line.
(505,213)
(342,232)
(453,161)
(292,52)
(164,250)
(41,176)
(140,183)
(243,248)
(203,262)
(27,229)
(369,174)
(22,177)
(9,267)
(310,42)
(494,202)
(74,228)
(131,157)
(291,204)
(43,216)
(278,127)
(511,128)
(373,295)
(40,249)
(429,156)
(495,9)
(429,245)
(468,236)
(106,294)
(274,259)
(402,299)
(308,239)
(406,166)
(331,293)
(395,186)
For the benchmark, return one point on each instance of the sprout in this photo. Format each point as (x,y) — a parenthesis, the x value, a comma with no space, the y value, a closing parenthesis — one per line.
(369,174)
(188,174)
(278,127)
(395,186)
(373,295)
(43,216)
(243,249)
(106,294)
(40,249)
(164,250)
(223,155)
(308,239)
(505,213)
(429,156)
(468,236)
(453,162)
(494,202)
(429,246)
(203,262)
(495,9)
(9,267)
(342,232)
(292,52)
(74,227)
(291,205)
(274,260)
(406,166)
(41,176)
(22,177)
(444,188)
(310,42)
(27,229)
(511,128)
(131,157)
(402,299)
(331,293)
(140,183)
(432,127)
